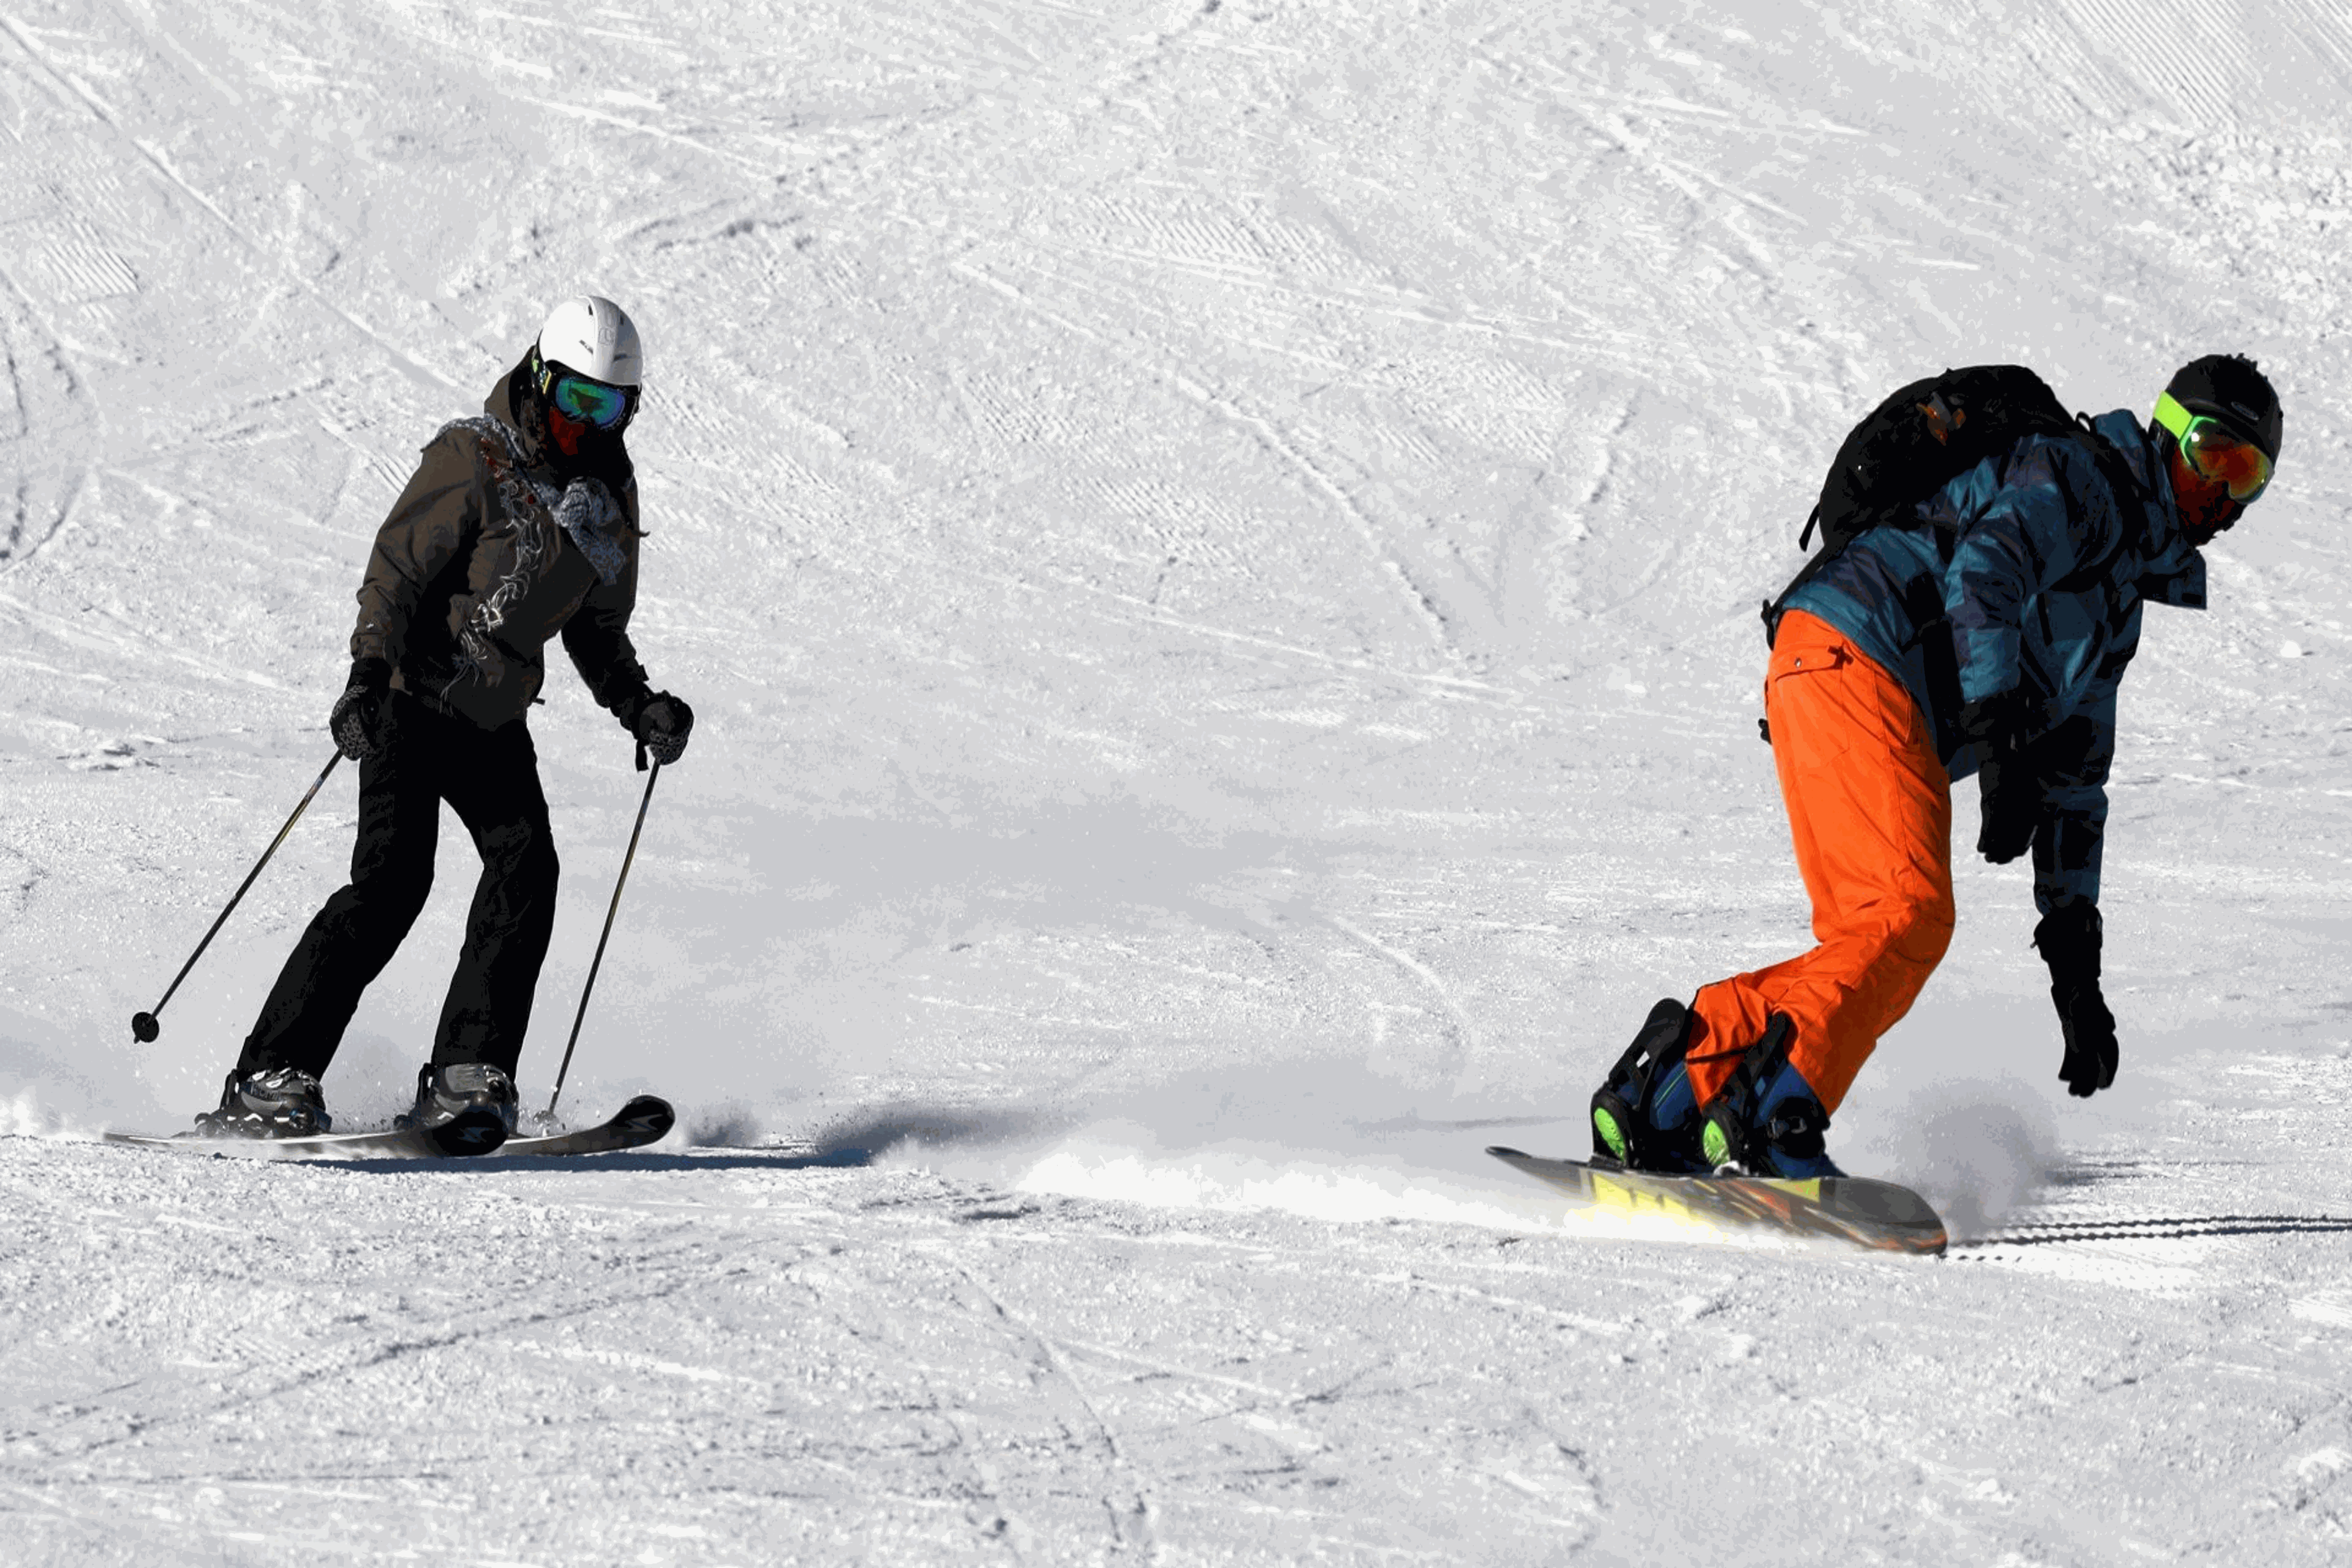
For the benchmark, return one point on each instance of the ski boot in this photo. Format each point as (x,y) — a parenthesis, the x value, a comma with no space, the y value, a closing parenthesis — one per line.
(270,1102)
(1645,1117)
(1768,1122)
(463,1104)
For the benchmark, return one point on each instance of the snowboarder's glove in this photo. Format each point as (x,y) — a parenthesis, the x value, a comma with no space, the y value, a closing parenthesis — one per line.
(2069,938)
(661,724)
(2009,794)
(358,720)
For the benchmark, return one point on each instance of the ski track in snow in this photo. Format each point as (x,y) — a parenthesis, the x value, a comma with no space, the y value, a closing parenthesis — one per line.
(1215,548)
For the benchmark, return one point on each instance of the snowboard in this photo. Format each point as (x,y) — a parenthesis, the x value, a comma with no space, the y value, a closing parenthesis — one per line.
(1854,1210)
(641,1121)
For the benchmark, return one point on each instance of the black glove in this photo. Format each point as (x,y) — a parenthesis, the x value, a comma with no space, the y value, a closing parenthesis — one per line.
(661,724)
(2069,938)
(2009,794)
(357,721)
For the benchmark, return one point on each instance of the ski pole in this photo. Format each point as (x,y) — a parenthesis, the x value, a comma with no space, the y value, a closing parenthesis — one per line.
(597,963)
(144,1027)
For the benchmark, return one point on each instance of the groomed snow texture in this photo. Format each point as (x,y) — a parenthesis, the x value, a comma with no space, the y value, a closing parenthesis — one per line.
(1215,545)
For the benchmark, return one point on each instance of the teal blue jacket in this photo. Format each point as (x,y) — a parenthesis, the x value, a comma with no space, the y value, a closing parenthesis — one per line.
(2026,571)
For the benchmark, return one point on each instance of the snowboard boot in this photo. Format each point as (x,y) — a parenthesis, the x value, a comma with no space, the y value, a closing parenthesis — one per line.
(462,1104)
(272,1102)
(1768,1122)
(1645,1117)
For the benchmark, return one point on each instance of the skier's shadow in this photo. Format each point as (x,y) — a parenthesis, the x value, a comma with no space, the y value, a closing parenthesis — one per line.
(702,1160)
(853,1143)
(624,1160)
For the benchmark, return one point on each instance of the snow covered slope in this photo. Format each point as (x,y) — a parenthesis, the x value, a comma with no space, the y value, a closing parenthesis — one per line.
(1214,546)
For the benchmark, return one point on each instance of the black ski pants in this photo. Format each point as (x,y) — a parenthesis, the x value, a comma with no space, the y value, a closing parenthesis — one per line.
(490,778)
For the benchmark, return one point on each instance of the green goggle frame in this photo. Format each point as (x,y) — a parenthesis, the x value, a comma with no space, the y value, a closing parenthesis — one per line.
(2215,451)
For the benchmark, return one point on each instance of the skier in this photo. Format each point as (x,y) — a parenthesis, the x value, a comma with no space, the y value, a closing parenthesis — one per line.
(2030,568)
(518,525)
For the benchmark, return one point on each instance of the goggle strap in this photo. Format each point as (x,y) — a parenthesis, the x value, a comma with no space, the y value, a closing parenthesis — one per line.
(2181,420)
(2172,416)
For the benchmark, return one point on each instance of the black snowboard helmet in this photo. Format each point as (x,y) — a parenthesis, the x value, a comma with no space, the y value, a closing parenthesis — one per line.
(2232,389)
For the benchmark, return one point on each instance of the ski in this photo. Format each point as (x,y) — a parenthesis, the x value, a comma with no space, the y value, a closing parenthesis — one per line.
(644,1120)
(1855,1210)
(462,1137)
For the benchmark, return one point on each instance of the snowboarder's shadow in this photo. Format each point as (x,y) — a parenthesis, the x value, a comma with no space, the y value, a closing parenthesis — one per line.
(2169,1228)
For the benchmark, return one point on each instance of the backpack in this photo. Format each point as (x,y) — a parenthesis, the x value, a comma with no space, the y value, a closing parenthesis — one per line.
(1924,437)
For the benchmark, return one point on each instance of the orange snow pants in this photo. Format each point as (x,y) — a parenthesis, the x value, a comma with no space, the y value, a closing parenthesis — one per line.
(1870,809)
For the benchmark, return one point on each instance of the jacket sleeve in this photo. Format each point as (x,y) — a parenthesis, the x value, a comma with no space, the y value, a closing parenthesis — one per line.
(2032,530)
(597,638)
(426,530)
(2072,762)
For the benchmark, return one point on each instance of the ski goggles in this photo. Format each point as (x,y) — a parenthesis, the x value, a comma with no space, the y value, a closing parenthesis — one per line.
(2214,451)
(576,396)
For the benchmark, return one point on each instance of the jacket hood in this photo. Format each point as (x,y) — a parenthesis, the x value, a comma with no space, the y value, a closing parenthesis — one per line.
(2174,570)
(500,404)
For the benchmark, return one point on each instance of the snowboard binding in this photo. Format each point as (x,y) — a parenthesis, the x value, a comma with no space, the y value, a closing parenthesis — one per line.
(1645,1116)
(1768,1122)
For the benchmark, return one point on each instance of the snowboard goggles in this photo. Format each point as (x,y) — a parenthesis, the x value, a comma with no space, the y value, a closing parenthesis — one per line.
(576,396)
(2214,451)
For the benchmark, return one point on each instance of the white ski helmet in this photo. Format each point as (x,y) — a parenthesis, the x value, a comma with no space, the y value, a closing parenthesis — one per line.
(594,337)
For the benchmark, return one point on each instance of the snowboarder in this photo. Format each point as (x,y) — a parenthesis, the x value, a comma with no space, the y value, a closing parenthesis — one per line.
(1986,636)
(519,525)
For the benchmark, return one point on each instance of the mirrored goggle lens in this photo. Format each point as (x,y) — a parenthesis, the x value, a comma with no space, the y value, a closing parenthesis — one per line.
(2226,458)
(591,401)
